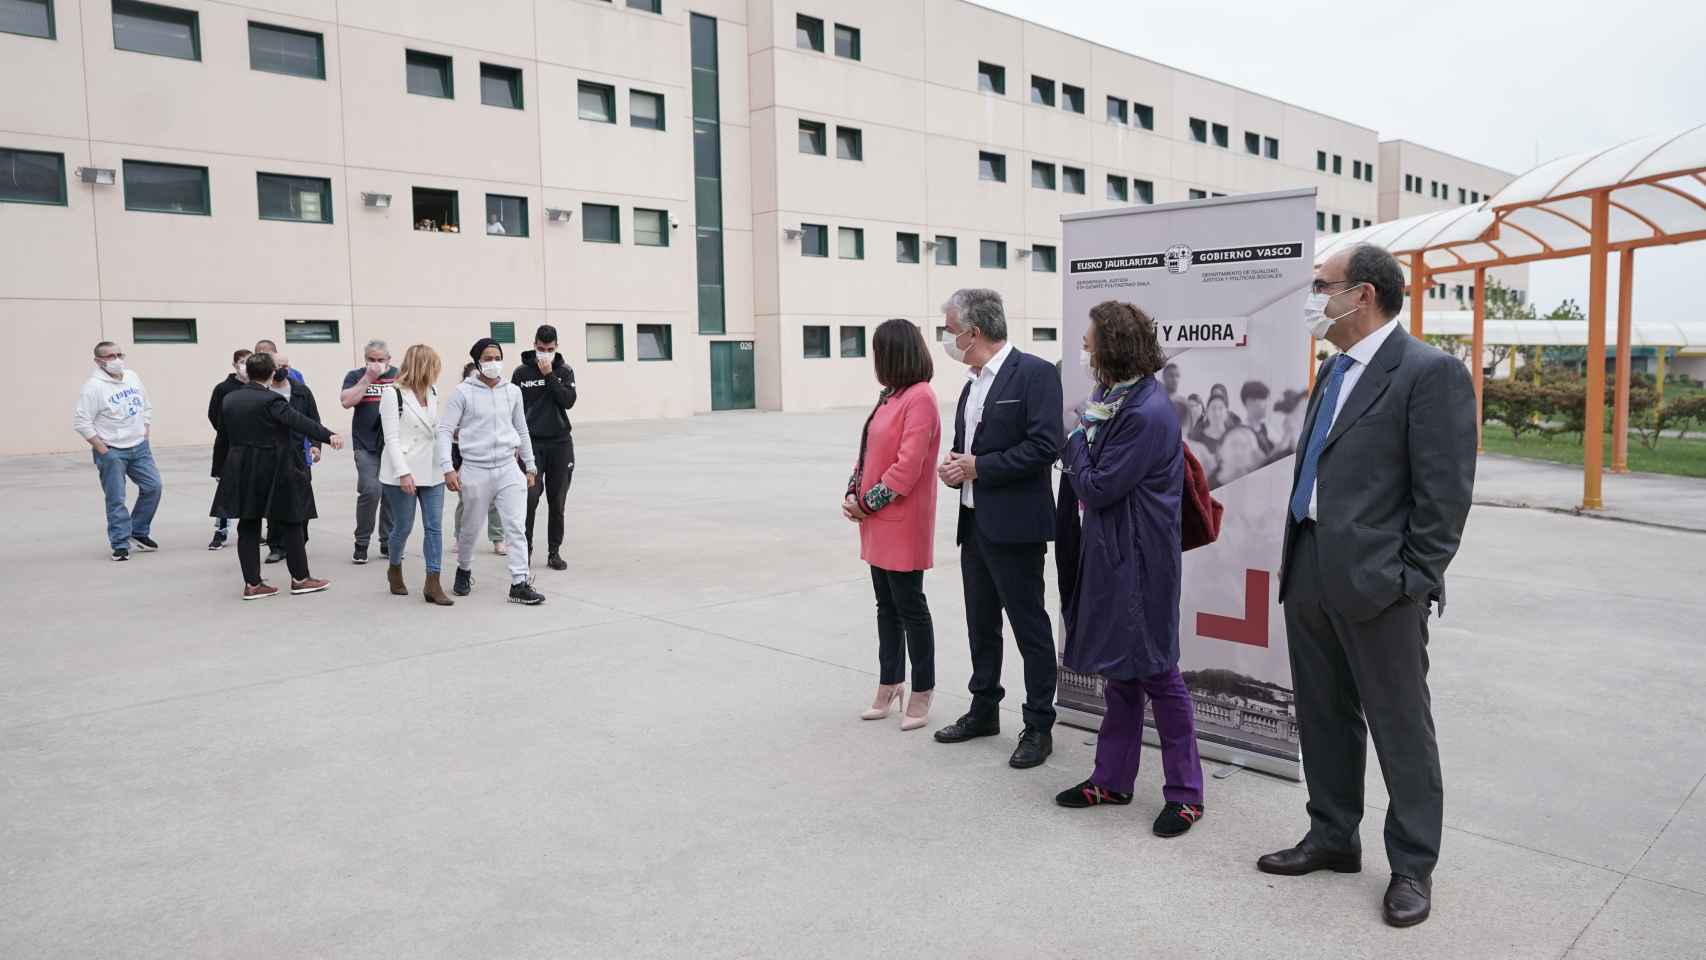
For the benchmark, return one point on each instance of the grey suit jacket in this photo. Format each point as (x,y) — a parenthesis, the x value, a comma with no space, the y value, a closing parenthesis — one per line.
(1393,484)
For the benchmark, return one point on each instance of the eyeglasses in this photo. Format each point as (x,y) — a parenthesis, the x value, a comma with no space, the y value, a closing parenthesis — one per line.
(109,356)
(1320,286)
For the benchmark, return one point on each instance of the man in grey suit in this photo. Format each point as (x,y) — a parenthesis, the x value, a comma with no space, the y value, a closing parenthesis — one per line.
(1384,472)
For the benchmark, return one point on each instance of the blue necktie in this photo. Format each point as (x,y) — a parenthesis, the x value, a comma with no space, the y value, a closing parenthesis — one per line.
(1318,436)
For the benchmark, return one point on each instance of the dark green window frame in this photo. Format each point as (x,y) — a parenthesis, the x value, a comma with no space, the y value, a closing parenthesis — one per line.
(319,43)
(814,342)
(310,331)
(7,164)
(48,23)
(503,331)
(437,62)
(206,196)
(662,218)
(324,183)
(613,212)
(158,14)
(663,336)
(162,330)
(621,348)
(510,80)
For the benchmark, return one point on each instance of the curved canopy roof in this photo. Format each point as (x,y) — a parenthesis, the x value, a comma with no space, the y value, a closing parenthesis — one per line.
(1687,334)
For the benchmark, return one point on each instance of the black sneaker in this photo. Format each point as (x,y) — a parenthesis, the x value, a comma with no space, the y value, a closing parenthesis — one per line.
(360,555)
(120,554)
(217,543)
(275,554)
(464,584)
(385,549)
(524,593)
(1088,794)
(1176,818)
(144,544)
(556,561)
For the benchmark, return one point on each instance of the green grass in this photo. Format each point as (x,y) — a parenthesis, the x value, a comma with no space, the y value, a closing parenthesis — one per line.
(1683,458)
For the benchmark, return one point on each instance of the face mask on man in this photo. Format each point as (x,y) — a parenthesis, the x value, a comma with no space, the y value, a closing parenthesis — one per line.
(492,369)
(242,372)
(113,367)
(1315,313)
(951,346)
(546,356)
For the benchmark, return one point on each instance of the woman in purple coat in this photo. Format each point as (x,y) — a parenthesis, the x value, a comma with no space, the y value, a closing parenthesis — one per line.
(1126,465)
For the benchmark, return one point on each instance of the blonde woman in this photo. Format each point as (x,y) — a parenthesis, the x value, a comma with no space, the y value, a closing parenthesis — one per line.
(408,418)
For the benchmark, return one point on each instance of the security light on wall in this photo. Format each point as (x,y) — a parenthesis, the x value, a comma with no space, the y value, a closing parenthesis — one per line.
(791,233)
(1023,252)
(377,200)
(100,176)
(558,214)
(930,245)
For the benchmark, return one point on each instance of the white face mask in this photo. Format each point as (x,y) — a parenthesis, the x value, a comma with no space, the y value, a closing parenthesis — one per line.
(1086,359)
(242,372)
(951,346)
(548,356)
(492,369)
(1315,313)
(113,367)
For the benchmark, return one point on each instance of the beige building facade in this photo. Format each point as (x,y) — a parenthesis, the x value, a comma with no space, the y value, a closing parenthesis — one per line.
(715,204)
(1416,180)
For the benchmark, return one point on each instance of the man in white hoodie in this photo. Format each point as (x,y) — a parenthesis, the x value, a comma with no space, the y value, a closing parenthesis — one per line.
(113,415)
(486,417)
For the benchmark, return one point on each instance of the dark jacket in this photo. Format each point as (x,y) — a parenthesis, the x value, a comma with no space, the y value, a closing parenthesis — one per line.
(264,474)
(1122,612)
(214,408)
(303,402)
(1016,446)
(546,398)
(1393,483)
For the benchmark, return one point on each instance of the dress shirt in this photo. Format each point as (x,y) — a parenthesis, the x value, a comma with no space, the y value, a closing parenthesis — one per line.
(1362,354)
(981,381)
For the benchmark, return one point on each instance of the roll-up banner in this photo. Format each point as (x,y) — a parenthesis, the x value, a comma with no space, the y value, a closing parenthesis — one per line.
(1224,280)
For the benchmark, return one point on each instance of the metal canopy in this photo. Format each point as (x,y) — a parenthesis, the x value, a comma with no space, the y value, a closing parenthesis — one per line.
(1561,333)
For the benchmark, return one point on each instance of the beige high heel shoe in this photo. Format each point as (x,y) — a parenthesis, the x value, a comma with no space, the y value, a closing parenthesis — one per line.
(917,711)
(887,696)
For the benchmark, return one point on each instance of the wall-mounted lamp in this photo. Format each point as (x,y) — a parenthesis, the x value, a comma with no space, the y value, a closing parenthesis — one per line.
(1023,252)
(791,233)
(930,245)
(376,200)
(558,214)
(100,176)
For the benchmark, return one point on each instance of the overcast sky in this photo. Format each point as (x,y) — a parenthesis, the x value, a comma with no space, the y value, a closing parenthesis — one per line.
(1506,83)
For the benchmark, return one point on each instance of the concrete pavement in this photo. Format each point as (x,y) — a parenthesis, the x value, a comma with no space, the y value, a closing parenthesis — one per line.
(1650,498)
(665,760)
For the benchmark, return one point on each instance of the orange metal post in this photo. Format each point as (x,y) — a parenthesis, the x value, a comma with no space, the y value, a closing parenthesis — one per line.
(1620,412)
(1593,433)
(1311,364)
(1477,347)
(1418,275)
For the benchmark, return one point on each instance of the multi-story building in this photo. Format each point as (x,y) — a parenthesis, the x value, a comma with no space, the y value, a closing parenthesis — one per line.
(714,202)
(1414,180)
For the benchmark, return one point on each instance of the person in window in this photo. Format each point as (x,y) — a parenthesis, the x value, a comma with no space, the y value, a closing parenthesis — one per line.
(892,499)
(494,226)
(547,385)
(1125,462)
(113,416)
(361,390)
(234,379)
(486,416)
(265,477)
(1254,396)
(408,418)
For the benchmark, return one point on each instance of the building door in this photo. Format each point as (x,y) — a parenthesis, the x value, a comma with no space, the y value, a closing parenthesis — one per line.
(731,375)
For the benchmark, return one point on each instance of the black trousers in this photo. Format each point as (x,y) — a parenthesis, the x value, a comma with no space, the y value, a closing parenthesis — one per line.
(1007,577)
(904,625)
(1355,679)
(556,461)
(292,536)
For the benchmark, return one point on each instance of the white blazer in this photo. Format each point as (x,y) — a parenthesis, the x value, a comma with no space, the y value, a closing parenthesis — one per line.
(411,435)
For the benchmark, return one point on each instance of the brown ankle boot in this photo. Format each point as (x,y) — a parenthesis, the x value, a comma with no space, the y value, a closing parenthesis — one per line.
(434,592)
(394,573)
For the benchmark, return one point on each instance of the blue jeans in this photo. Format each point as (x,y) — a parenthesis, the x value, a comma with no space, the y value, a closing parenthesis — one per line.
(114,466)
(402,509)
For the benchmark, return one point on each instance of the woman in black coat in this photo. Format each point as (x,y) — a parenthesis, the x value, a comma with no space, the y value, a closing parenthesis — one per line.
(264,476)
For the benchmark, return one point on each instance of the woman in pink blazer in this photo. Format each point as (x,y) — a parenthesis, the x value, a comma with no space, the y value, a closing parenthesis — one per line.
(892,497)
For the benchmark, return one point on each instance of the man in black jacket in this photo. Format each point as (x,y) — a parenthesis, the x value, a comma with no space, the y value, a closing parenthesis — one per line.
(289,384)
(547,386)
(215,408)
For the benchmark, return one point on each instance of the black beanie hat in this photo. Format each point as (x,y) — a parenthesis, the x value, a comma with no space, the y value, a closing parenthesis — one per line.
(480,346)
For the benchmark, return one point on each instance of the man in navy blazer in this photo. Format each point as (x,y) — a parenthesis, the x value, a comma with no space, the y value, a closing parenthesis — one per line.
(1007,435)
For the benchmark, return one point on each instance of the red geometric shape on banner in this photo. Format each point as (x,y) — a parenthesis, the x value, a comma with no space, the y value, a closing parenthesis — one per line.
(1253,628)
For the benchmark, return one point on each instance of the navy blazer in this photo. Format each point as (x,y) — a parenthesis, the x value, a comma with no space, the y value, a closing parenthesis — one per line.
(1016,446)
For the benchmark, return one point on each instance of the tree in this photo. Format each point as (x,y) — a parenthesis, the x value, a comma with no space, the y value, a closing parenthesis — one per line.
(1576,358)
(1503,303)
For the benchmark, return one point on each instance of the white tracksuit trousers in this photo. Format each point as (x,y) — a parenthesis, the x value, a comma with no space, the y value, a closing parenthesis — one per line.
(506,486)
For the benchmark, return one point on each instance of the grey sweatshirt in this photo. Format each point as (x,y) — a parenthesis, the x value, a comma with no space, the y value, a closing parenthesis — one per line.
(488,424)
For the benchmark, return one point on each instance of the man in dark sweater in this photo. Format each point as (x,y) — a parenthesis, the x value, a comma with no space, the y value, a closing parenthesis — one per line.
(215,407)
(548,393)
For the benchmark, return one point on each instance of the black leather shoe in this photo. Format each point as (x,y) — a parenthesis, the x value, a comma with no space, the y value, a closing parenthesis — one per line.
(1299,860)
(556,561)
(1408,902)
(966,728)
(1034,747)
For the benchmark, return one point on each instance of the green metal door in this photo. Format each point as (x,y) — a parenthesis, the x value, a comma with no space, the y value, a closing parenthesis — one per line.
(731,375)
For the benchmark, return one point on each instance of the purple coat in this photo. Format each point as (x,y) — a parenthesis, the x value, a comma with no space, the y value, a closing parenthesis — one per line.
(1122,618)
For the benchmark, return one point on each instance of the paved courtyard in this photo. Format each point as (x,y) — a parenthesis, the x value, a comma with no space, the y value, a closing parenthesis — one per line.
(665,760)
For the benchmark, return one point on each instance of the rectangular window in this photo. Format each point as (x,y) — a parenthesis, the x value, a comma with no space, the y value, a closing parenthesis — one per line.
(1144,190)
(651,227)
(947,251)
(992,254)
(161,31)
(27,18)
(1142,115)
(1118,189)
(429,75)
(991,166)
(991,79)
(1321,160)
(302,199)
(1462,195)
(31,176)
(656,341)
(1199,130)
(808,33)
(1338,164)
(294,53)
(506,216)
(707,173)
(1368,172)
(1044,334)
(1042,91)
(1336,226)
(604,343)
(849,143)
(597,102)
(500,86)
(162,330)
(1321,221)
(906,248)
(503,331)
(1252,143)
(1444,194)
(1356,222)
(1042,175)
(1117,110)
(1072,98)
(1356,169)
(1474,196)
(1042,259)
(1199,194)
(852,342)
(813,138)
(816,342)
(1433,189)
(1072,180)
(1406,183)
(846,41)
(601,223)
(165,188)
(438,211)
(310,331)
(1270,148)
(1458,291)
(1222,135)
(645,110)
(649,6)
(814,240)
(850,243)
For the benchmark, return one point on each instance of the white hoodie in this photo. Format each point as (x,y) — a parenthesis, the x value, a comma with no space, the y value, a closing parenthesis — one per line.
(492,422)
(117,411)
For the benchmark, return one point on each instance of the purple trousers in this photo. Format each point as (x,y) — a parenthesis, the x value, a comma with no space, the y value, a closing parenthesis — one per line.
(1119,747)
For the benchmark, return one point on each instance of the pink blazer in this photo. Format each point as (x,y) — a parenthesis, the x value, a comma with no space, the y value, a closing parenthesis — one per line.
(901,452)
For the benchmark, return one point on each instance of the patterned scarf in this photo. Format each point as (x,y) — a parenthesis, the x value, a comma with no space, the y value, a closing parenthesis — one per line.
(1099,410)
